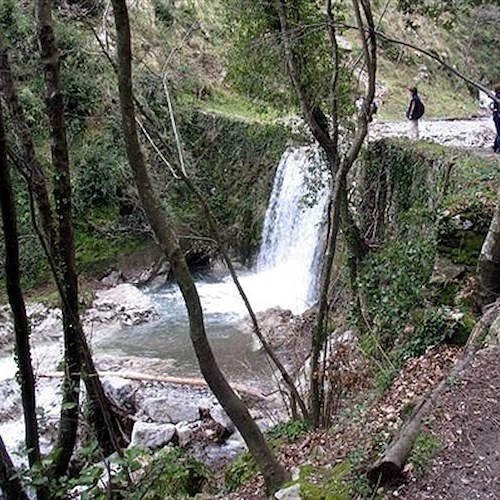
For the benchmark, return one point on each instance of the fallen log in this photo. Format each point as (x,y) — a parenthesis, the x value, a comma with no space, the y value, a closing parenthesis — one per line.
(146,377)
(388,470)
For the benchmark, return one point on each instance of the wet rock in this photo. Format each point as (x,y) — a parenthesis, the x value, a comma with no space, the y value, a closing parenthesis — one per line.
(156,276)
(124,304)
(113,278)
(152,435)
(276,325)
(169,410)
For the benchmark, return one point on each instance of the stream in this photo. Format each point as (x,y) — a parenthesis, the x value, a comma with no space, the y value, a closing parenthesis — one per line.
(285,274)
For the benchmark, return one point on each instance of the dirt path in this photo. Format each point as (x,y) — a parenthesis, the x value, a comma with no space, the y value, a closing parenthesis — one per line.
(466,423)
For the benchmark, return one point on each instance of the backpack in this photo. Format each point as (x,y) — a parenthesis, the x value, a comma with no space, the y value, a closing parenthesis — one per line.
(419,110)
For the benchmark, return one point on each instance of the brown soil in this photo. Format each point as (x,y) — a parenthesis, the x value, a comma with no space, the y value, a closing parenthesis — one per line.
(466,423)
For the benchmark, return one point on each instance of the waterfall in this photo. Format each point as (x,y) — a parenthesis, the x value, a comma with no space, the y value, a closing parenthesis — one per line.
(290,251)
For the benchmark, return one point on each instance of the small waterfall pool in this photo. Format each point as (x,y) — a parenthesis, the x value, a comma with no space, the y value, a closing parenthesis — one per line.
(284,277)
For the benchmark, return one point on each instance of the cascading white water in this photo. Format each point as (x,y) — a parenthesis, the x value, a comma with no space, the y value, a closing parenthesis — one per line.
(293,228)
(284,275)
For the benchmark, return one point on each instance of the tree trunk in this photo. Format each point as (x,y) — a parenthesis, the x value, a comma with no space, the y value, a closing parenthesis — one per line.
(32,171)
(11,486)
(21,325)
(77,354)
(339,167)
(274,474)
(488,265)
(389,468)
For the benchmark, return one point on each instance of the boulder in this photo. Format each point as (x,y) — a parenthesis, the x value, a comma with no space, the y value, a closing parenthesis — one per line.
(124,304)
(169,410)
(121,390)
(290,493)
(185,433)
(218,415)
(152,435)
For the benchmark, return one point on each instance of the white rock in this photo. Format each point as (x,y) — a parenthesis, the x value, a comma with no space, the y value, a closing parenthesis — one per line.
(290,493)
(184,433)
(152,435)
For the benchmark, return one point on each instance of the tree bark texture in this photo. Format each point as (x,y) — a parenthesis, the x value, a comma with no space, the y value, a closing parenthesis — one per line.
(16,301)
(274,474)
(65,238)
(488,266)
(10,484)
(389,468)
(77,356)
(339,167)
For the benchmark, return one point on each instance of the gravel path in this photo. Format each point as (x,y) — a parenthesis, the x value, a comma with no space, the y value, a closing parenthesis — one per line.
(476,133)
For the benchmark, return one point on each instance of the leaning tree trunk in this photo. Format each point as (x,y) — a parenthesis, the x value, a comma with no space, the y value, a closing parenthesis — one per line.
(274,474)
(9,481)
(339,167)
(21,325)
(488,265)
(389,468)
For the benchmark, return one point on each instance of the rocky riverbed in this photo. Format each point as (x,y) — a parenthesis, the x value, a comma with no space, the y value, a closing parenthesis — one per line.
(166,410)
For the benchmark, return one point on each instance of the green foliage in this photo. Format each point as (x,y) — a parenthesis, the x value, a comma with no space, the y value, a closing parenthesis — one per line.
(163,11)
(439,12)
(256,59)
(393,281)
(325,484)
(173,473)
(288,431)
(240,471)
(100,173)
(424,448)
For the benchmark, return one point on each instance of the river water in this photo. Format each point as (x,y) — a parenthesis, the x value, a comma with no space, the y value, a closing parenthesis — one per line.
(284,276)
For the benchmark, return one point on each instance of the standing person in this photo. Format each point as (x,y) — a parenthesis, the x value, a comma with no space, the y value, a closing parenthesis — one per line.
(495,107)
(415,111)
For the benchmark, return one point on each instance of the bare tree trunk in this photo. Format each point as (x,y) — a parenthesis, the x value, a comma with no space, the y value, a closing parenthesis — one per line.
(339,167)
(21,325)
(32,171)
(11,486)
(274,474)
(65,243)
(77,354)
(488,265)
(389,468)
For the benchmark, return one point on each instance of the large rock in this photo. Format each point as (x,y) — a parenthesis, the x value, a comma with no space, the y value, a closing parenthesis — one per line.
(122,391)
(290,493)
(152,435)
(124,304)
(170,409)
(6,327)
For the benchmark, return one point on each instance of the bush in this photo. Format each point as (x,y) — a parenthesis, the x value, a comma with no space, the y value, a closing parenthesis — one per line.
(172,474)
